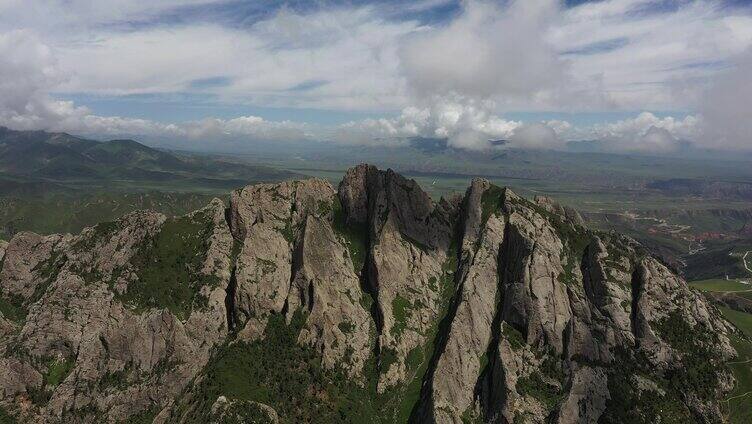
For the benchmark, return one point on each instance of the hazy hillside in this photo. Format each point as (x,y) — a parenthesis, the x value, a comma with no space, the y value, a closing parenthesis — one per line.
(28,157)
(56,182)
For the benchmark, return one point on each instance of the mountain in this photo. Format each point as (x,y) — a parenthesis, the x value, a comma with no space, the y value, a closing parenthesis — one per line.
(38,156)
(369,303)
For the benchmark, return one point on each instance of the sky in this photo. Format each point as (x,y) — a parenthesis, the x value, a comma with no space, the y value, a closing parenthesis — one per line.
(633,75)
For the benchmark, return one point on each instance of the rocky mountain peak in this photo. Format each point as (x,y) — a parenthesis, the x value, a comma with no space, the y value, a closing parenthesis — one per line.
(298,302)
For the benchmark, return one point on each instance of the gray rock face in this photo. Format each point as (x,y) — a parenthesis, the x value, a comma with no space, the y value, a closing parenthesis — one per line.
(409,242)
(325,284)
(291,258)
(82,352)
(485,308)
(458,368)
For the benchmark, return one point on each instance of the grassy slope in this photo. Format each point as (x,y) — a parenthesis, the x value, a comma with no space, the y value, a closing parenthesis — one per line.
(71,213)
(738,405)
(721,285)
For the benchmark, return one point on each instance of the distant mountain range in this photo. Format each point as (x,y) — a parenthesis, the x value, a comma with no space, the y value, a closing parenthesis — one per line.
(26,157)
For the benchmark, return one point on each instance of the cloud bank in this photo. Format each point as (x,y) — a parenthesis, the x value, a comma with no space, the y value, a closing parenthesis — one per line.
(454,78)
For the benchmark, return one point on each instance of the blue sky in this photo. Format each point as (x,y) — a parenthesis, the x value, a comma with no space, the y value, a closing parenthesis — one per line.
(637,74)
(187,107)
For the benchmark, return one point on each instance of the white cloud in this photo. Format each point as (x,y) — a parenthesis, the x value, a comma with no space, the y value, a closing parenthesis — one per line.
(465,123)
(655,140)
(71,18)
(485,52)
(536,136)
(631,128)
(651,60)
(645,132)
(453,79)
(27,72)
(726,111)
(336,59)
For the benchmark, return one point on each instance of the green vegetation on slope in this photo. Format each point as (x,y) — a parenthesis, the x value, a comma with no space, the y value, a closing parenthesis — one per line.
(534,385)
(168,268)
(719,285)
(630,403)
(491,202)
(12,308)
(742,320)
(298,387)
(736,407)
(401,309)
(15,307)
(420,357)
(354,235)
(5,417)
(700,370)
(57,371)
(72,212)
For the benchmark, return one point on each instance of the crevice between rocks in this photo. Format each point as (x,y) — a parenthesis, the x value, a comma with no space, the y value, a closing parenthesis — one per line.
(231,289)
(486,390)
(638,285)
(230,298)
(368,274)
(585,280)
(423,405)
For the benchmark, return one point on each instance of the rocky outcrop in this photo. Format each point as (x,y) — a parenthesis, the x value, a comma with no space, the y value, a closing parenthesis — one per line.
(409,240)
(290,259)
(93,344)
(368,303)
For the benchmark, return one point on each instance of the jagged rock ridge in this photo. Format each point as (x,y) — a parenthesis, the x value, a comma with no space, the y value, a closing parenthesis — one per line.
(299,302)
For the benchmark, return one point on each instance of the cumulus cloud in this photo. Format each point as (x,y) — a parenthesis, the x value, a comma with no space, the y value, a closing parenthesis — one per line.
(645,132)
(536,136)
(27,72)
(655,140)
(458,73)
(249,127)
(489,50)
(632,128)
(465,123)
